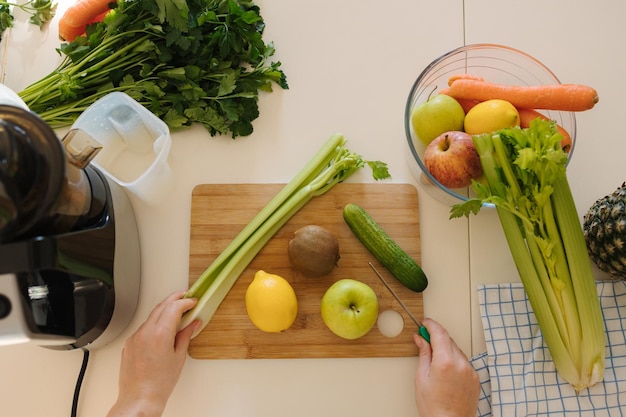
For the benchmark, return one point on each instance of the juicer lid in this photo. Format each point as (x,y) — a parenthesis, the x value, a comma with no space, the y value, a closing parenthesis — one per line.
(32,170)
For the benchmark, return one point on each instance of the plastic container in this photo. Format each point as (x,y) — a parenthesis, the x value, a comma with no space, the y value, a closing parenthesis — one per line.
(135,145)
(495,63)
(11,98)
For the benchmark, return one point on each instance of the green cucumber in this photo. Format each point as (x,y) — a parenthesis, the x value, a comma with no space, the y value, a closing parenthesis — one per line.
(384,248)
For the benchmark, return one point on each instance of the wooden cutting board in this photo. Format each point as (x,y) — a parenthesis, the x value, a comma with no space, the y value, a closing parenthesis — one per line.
(220,211)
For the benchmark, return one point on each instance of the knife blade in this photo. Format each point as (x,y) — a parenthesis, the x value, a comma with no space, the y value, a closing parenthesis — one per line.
(422,331)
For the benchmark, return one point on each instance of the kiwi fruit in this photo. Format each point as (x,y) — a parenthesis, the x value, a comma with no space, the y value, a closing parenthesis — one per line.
(313,250)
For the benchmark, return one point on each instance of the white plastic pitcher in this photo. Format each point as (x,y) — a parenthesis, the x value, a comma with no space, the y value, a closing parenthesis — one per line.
(135,145)
(11,98)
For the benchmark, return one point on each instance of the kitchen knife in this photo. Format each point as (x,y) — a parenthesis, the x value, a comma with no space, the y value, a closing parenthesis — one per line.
(422,331)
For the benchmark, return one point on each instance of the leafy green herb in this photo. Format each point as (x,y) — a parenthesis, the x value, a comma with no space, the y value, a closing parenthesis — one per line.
(193,61)
(379,169)
(40,11)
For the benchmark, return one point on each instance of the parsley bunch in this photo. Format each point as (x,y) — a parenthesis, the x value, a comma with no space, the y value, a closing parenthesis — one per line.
(193,61)
(40,12)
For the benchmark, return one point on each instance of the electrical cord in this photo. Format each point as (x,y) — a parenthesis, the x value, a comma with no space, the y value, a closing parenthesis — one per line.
(79,381)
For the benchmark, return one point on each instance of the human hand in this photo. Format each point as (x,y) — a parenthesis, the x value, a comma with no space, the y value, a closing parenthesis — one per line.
(446,384)
(153,359)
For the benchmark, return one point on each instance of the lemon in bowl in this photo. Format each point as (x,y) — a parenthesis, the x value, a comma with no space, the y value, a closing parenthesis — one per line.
(489,116)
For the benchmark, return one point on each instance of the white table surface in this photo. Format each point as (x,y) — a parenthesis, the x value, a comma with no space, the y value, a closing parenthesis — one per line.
(350,65)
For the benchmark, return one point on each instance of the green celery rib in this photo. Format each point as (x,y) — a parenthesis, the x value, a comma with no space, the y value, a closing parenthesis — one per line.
(561,277)
(310,170)
(538,298)
(219,286)
(552,291)
(592,330)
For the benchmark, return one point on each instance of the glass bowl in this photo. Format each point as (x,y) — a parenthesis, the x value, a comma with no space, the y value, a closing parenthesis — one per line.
(495,63)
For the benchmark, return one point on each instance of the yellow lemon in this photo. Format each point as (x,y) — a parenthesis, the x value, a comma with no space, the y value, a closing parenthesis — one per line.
(271,302)
(489,116)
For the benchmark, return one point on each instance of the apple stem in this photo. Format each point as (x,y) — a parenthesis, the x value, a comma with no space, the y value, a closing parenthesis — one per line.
(431,93)
(445,144)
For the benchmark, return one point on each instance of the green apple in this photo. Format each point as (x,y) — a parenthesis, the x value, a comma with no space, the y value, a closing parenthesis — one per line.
(441,113)
(349,308)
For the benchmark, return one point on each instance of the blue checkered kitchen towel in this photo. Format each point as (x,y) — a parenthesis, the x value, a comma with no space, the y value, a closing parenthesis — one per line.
(517,375)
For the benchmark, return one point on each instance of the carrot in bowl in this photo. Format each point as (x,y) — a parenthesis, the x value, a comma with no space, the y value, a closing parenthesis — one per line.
(455,77)
(81,14)
(528,115)
(466,104)
(565,97)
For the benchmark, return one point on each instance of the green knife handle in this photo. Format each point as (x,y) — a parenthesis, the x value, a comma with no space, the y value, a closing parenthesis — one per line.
(424,333)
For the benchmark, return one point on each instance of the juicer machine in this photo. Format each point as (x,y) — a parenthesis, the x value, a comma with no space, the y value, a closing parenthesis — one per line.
(69,247)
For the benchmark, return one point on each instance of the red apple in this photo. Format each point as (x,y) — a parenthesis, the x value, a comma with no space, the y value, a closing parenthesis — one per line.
(452,159)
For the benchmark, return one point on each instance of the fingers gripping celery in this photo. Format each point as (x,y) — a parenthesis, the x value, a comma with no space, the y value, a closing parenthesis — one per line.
(527,182)
(332,164)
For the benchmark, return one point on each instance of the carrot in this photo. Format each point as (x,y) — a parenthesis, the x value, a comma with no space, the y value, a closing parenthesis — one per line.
(565,97)
(83,11)
(464,77)
(99,17)
(528,115)
(466,104)
(69,33)
(81,14)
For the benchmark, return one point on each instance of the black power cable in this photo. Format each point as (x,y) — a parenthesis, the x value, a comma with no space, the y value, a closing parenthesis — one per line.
(79,381)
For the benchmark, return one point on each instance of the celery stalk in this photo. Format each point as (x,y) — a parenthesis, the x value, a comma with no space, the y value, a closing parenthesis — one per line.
(592,337)
(526,178)
(312,168)
(332,164)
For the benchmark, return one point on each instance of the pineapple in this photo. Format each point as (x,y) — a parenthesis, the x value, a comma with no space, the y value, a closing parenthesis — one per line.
(604,226)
